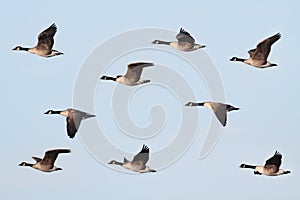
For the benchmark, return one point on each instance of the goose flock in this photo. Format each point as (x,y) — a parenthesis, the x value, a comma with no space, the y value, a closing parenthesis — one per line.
(185,42)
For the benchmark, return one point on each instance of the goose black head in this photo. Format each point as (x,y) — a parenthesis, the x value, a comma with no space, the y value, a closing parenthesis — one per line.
(49,112)
(108,78)
(113,162)
(189,104)
(22,164)
(104,77)
(234,59)
(17,48)
(25,164)
(155,42)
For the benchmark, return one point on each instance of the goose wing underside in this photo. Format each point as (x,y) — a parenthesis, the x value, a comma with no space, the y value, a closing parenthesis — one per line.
(134,70)
(184,36)
(74,120)
(220,112)
(274,160)
(73,123)
(142,156)
(51,155)
(263,48)
(45,38)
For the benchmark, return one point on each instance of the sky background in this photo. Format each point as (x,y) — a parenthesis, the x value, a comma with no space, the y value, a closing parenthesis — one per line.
(268,98)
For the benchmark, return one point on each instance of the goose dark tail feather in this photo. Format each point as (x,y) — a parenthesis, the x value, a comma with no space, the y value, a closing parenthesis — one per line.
(231,108)
(89,116)
(64,151)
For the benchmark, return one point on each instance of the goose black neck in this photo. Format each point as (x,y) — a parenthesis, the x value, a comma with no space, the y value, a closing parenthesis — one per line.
(112,78)
(23,49)
(109,78)
(240,59)
(113,162)
(56,112)
(27,164)
(247,166)
(118,163)
(163,42)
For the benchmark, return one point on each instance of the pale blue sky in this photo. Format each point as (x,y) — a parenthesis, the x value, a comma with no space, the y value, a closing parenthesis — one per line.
(268,98)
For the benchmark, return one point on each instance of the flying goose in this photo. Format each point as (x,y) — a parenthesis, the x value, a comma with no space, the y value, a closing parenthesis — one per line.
(47,163)
(271,167)
(258,56)
(185,42)
(138,164)
(74,118)
(220,109)
(132,76)
(44,45)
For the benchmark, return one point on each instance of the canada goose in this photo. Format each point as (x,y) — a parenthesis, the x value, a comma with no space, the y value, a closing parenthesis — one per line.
(258,56)
(47,163)
(44,45)
(138,164)
(185,42)
(132,76)
(219,109)
(271,167)
(74,118)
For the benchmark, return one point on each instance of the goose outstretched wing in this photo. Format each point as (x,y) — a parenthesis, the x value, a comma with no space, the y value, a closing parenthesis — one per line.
(143,155)
(263,48)
(45,38)
(184,36)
